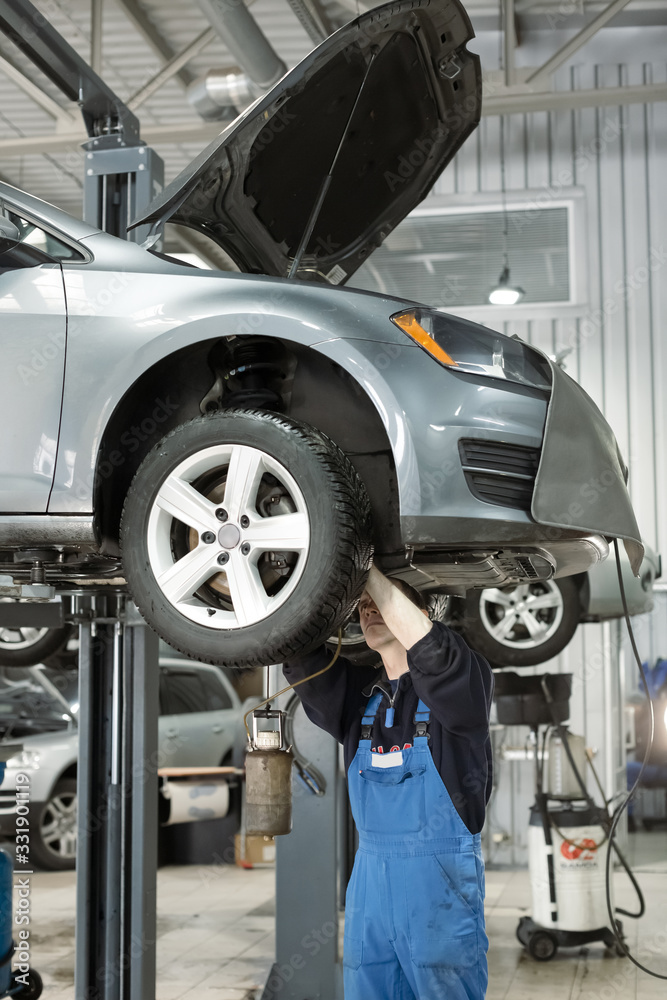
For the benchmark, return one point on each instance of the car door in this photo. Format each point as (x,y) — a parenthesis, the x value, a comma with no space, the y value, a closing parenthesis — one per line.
(33,340)
(185,720)
(222,718)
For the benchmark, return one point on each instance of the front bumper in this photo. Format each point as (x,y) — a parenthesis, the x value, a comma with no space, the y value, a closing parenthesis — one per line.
(497,482)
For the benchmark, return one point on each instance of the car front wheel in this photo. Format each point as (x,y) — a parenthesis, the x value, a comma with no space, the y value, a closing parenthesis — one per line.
(246,538)
(523,626)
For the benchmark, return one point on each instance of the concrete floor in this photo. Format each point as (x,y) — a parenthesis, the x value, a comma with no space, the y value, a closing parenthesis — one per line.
(215,929)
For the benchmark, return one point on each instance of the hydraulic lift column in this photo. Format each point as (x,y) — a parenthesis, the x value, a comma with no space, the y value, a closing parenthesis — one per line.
(117,790)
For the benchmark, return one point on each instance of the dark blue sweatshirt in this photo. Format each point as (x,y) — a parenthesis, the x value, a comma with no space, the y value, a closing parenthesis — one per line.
(454,682)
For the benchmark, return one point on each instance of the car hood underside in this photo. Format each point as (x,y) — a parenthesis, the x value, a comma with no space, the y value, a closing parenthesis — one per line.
(323,167)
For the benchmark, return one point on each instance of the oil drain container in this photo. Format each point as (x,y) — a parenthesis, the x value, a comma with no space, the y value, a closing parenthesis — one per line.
(268,778)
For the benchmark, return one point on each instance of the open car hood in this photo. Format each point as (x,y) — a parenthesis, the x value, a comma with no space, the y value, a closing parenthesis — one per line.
(345,145)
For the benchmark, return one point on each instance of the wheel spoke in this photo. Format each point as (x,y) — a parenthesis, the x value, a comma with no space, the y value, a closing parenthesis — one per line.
(289,532)
(245,471)
(495,596)
(182,501)
(541,601)
(250,600)
(187,575)
(534,627)
(504,626)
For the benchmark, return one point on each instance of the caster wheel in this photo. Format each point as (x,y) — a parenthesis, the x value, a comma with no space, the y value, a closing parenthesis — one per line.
(30,990)
(542,946)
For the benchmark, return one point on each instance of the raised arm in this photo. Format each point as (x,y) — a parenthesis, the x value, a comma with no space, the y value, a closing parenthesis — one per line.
(403,619)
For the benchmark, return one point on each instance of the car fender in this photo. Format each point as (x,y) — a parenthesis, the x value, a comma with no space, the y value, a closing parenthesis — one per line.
(115,338)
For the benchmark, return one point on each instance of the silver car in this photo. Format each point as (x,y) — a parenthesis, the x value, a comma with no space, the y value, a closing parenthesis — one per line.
(200,724)
(235,445)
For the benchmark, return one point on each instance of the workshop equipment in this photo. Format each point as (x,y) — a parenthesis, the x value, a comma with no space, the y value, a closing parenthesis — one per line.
(268,799)
(566,863)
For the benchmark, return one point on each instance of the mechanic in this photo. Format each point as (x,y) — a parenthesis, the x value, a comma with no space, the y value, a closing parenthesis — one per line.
(418,761)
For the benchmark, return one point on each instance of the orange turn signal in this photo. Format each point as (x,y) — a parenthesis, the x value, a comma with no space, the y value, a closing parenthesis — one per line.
(409,324)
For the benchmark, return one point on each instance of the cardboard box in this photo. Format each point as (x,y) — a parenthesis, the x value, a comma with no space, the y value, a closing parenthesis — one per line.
(255,851)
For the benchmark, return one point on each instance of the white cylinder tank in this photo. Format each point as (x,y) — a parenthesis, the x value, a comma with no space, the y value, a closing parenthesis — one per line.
(579,858)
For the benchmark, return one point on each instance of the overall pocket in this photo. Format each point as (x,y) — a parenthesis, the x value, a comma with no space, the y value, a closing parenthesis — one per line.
(442,913)
(392,802)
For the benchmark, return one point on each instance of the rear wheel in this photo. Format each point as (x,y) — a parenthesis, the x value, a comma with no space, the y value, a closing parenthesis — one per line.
(246,538)
(521,626)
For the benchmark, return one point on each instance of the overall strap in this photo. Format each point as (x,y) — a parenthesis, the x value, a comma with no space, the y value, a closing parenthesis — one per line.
(422,719)
(369,715)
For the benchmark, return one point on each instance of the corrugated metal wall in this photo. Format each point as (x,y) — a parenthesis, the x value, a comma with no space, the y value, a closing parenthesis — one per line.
(618,157)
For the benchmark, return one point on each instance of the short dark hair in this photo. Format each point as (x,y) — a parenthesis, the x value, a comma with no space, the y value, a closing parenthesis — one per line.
(413,595)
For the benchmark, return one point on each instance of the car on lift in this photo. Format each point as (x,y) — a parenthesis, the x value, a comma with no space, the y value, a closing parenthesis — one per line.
(200,725)
(235,445)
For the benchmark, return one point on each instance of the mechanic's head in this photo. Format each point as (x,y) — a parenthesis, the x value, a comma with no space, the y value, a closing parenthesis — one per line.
(376,633)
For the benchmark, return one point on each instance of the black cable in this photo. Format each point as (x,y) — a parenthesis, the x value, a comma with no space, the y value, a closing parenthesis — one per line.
(622,807)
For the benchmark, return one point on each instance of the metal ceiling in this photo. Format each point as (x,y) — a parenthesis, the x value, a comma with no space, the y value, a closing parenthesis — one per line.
(149,51)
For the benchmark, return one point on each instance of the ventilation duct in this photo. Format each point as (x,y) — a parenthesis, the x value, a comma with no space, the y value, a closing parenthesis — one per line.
(245,40)
(222,93)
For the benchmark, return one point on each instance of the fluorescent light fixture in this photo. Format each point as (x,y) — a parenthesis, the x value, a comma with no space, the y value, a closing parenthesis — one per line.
(504,294)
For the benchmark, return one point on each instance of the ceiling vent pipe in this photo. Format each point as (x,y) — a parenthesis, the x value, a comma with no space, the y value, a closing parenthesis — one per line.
(245,40)
(221,93)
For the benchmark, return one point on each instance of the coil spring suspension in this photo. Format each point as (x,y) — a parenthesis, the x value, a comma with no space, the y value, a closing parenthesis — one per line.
(247,377)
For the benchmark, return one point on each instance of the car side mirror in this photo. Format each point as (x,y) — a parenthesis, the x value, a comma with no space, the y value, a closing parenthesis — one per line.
(9,234)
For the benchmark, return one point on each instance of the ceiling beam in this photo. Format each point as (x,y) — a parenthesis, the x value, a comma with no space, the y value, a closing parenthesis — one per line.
(574,44)
(67,142)
(157,42)
(46,103)
(494,104)
(171,68)
(570,100)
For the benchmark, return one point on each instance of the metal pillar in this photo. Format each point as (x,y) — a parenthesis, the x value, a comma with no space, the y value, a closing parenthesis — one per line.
(117,790)
(119,184)
(308,887)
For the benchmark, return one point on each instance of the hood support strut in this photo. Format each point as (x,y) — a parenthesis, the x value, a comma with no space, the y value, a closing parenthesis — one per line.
(317,207)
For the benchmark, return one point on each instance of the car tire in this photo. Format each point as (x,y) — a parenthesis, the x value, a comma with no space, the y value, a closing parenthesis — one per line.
(26,647)
(53,832)
(268,603)
(494,623)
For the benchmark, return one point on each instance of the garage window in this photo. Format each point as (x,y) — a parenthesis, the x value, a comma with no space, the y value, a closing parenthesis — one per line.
(451,257)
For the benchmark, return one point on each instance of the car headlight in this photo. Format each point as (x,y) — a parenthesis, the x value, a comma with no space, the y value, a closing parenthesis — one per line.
(27,758)
(467,347)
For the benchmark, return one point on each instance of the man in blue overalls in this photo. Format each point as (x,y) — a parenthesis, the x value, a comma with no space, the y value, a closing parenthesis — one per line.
(418,761)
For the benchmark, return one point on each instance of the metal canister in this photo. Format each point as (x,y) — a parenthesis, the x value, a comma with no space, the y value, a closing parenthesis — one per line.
(268,781)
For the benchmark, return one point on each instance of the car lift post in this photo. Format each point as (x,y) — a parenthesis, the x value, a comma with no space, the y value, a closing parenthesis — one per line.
(117,791)
(121,174)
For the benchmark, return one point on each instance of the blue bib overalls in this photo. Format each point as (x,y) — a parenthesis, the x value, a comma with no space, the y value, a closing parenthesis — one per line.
(414,914)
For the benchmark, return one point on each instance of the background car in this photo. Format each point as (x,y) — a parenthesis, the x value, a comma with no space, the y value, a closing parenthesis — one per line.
(524,625)
(200,724)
